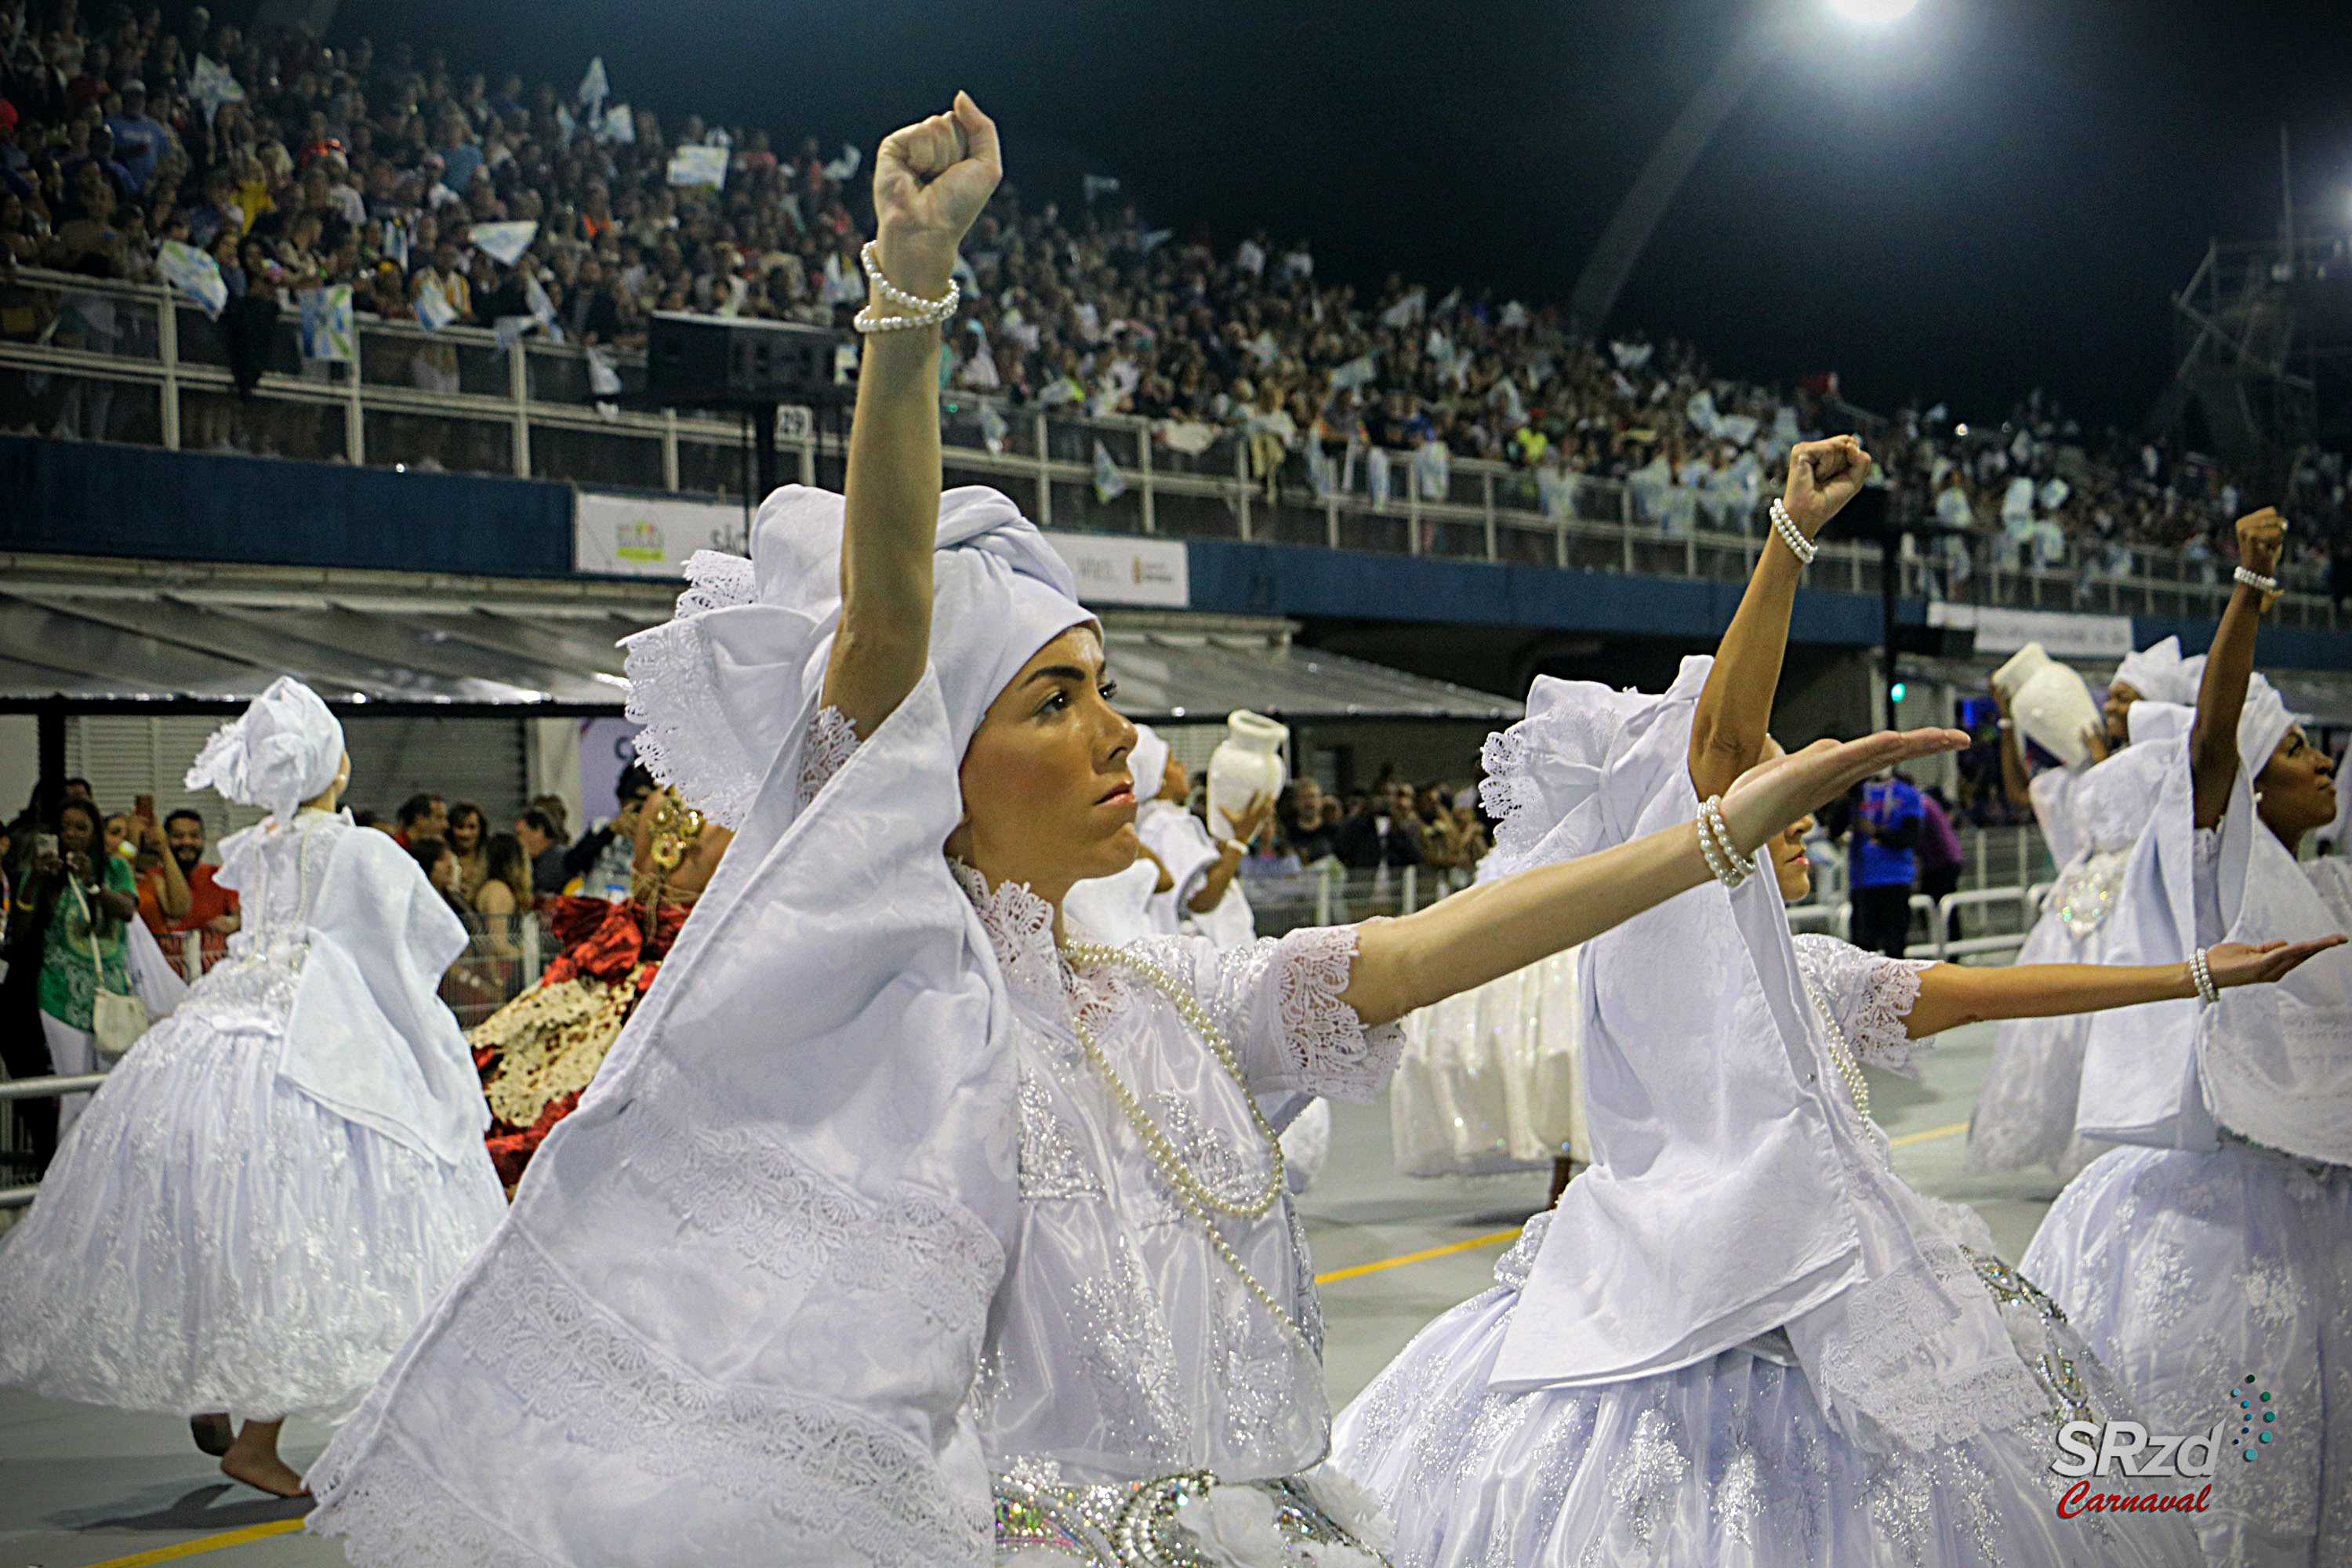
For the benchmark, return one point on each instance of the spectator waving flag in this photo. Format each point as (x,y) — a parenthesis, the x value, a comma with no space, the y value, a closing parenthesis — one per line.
(505,242)
(1110,483)
(434,311)
(212,86)
(698,166)
(327,335)
(194,273)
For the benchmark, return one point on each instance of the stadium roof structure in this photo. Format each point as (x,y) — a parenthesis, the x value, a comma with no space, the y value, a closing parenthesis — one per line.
(112,640)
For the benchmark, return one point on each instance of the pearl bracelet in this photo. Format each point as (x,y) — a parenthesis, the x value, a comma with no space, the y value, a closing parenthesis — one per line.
(1792,536)
(915,311)
(2202,973)
(1731,867)
(2254,579)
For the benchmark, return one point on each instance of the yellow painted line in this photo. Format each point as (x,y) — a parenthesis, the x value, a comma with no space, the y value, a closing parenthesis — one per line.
(203,1543)
(1360,1270)
(1929,1136)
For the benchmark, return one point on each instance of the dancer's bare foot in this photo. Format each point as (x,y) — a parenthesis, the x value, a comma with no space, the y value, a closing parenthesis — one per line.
(214,1433)
(253,1459)
(272,1475)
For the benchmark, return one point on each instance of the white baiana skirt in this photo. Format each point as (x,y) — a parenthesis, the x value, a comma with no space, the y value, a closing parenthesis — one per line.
(2189,1272)
(1487,1082)
(1729,1463)
(209,1239)
(2024,1113)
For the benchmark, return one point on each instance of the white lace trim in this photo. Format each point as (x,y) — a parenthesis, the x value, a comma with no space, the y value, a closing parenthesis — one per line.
(1335,1053)
(832,741)
(396,1513)
(687,740)
(1874,997)
(814,1466)
(1877,1357)
(1020,929)
(787,1219)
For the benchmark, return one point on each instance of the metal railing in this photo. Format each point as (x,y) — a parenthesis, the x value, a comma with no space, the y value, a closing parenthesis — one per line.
(100,360)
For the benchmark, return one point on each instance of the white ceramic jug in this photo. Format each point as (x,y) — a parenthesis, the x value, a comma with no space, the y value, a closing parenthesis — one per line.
(2049,702)
(1247,763)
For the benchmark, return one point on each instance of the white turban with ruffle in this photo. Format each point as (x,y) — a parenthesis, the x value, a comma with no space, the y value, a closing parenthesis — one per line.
(285,748)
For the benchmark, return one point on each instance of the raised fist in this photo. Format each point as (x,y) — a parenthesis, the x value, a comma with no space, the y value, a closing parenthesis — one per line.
(2261,538)
(1822,477)
(930,180)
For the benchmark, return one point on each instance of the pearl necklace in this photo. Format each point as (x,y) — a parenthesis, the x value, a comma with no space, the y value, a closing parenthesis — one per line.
(1194,1194)
(1849,1066)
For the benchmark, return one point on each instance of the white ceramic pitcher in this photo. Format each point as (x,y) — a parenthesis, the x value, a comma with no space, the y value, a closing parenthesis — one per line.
(1246,763)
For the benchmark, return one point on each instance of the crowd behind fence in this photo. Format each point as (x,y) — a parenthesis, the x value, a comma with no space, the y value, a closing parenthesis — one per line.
(126,362)
(2008,872)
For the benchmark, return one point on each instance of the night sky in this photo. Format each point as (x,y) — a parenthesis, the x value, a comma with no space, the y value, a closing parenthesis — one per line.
(1994,195)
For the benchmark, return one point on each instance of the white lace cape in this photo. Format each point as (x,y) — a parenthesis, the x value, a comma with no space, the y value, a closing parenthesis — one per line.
(1734,1190)
(741,1298)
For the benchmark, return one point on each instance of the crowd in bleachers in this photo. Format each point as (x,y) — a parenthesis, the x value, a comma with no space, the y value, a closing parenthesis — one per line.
(292,165)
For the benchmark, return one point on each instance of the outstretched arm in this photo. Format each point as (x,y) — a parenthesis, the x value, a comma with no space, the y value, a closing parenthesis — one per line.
(1493,931)
(1951,995)
(2229,666)
(931,182)
(1736,708)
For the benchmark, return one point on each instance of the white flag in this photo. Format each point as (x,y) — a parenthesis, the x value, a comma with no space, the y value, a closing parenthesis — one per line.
(1701,410)
(1514,314)
(698,166)
(603,380)
(1737,428)
(1631,356)
(212,86)
(504,242)
(1110,483)
(618,127)
(593,89)
(195,274)
(1152,239)
(434,311)
(846,167)
(1432,465)
(1450,303)
(1098,186)
(1357,371)
(1407,311)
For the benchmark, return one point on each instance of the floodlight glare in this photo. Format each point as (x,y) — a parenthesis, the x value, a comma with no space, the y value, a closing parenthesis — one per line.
(1873,13)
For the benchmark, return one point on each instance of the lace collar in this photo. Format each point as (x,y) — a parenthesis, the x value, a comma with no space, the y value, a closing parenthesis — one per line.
(1020,927)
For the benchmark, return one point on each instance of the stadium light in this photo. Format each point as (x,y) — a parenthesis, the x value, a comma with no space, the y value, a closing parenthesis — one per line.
(1873,13)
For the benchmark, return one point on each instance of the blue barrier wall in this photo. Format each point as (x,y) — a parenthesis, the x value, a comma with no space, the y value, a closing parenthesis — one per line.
(82,499)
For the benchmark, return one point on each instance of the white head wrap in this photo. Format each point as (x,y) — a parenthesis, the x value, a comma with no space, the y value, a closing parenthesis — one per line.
(720,688)
(285,748)
(1148,762)
(2158,671)
(2262,722)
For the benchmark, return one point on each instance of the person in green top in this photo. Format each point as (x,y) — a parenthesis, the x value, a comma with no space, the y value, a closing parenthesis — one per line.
(88,897)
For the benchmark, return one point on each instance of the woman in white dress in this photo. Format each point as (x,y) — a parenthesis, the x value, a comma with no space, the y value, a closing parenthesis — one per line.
(2216,1244)
(899,1229)
(1741,1339)
(264,1198)
(2090,817)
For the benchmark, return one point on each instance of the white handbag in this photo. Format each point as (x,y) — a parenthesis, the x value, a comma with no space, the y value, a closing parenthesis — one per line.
(116,1020)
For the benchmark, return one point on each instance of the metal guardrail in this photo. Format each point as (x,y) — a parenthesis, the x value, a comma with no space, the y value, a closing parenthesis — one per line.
(127,363)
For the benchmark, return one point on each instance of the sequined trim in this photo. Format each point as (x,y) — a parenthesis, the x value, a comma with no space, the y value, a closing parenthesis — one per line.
(1051,1164)
(2084,894)
(1165,1522)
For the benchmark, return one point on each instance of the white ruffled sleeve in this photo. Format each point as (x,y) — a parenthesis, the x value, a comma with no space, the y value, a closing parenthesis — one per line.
(1279,1000)
(1870,997)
